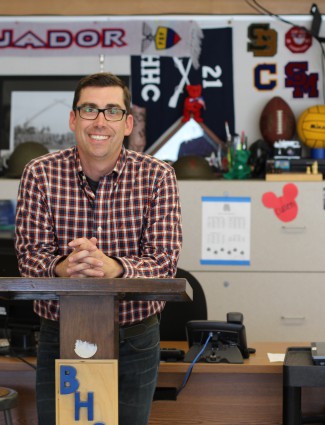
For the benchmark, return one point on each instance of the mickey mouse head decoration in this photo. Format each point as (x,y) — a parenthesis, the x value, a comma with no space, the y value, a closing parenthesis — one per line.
(285,206)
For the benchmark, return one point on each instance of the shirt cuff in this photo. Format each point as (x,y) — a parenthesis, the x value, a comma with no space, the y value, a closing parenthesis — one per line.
(127,266)
(51,269)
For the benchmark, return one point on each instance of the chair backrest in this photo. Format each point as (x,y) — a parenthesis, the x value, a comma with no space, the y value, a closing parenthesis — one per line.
(176,314)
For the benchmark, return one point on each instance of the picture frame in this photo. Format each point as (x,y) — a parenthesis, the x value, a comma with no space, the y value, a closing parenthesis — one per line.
(36,97)
(27,84)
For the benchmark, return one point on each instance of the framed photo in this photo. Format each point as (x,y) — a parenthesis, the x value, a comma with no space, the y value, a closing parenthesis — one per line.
(32,109)
(36,108)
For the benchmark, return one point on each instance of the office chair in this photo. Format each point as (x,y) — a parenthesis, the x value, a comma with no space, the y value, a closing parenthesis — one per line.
(173,323)
(176,314)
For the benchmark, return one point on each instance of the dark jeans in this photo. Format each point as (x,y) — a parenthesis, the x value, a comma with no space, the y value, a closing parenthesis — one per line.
(138,369)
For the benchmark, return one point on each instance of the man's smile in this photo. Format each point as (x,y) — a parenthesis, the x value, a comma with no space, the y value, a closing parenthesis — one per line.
(98,137)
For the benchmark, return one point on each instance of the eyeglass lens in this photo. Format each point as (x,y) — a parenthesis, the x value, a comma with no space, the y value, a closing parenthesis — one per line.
(111,114)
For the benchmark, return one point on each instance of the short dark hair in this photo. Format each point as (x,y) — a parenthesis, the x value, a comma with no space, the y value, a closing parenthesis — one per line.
(103,79)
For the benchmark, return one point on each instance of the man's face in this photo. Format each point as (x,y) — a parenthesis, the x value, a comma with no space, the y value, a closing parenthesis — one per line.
(100,139)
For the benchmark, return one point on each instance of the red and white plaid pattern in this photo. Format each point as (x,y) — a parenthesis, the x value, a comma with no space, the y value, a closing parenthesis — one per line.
(135,215)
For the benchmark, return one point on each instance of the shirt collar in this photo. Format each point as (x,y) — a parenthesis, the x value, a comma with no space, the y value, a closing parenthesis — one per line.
(120,163)
(78,162)
(118,167)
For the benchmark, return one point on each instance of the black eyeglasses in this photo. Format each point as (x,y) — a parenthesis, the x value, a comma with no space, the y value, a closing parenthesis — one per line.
(90,113)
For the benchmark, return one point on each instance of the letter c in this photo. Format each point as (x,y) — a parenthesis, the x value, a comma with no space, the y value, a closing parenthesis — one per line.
(150,88)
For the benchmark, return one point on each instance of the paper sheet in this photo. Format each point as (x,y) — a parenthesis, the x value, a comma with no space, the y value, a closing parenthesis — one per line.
(275,357)
(226,230)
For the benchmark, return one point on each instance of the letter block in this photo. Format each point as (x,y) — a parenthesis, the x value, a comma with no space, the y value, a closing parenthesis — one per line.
(86,392)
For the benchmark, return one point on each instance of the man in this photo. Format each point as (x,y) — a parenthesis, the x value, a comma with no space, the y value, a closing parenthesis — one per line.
(100,210)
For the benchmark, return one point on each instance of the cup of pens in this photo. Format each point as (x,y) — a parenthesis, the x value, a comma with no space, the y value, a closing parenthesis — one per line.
(237,156)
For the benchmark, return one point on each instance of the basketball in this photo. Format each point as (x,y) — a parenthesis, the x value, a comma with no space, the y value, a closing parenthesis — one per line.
(311,127)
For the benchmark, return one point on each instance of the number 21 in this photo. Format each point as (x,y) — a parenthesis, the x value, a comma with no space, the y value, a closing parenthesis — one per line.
(215,73)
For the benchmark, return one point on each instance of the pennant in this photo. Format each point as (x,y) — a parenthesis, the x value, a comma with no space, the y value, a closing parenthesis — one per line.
(134,37)
(159,87)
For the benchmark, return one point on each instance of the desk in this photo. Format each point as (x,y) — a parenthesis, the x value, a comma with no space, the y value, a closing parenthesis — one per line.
(248,394)
(223,394)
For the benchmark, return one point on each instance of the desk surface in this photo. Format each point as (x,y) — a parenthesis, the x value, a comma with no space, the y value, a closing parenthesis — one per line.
(257,363)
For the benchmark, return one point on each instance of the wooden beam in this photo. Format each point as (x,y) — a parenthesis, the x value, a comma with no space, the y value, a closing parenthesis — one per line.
(167,289)
(156,7)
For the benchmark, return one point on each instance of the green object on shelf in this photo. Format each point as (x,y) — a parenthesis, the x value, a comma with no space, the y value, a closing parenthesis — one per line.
(240,170)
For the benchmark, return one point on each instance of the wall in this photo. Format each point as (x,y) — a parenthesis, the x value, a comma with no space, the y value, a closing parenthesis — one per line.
(207,12)
(244,64)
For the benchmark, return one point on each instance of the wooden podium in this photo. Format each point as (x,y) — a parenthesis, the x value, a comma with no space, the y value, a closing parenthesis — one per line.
(89,307)
(89,313)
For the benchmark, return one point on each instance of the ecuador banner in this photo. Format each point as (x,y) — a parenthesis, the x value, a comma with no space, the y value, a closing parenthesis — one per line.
(100,36)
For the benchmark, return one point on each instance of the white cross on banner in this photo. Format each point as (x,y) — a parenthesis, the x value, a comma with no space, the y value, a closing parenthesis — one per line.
(20,37)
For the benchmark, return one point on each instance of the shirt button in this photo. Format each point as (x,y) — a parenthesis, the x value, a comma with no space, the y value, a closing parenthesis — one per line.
(99,229)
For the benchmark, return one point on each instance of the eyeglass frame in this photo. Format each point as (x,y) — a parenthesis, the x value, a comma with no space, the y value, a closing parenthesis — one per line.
(100,110)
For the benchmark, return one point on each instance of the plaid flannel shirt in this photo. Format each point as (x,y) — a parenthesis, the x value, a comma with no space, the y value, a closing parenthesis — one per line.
(135,215)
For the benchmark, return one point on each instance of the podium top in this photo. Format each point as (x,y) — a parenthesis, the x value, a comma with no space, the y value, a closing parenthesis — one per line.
(167,289)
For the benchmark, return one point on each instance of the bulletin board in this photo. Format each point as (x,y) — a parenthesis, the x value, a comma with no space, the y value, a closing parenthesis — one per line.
(245,62)
(261,58)
(293,71)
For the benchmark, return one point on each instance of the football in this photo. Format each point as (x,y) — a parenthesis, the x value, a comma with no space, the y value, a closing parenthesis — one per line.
(277,121)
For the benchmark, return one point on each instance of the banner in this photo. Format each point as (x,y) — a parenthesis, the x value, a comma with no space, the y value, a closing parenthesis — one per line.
(35,38)
(159,87)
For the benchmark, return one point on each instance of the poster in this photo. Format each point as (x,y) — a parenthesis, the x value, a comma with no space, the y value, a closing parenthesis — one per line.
(226,225)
